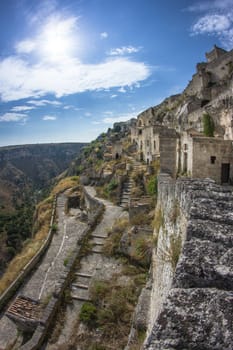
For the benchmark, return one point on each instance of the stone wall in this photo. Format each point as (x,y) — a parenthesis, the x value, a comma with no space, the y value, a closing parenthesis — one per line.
(192,299)
(9,292)
(207,148)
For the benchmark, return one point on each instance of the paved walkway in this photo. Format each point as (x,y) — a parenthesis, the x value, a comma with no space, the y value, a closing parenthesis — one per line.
(43,281)
(90,265)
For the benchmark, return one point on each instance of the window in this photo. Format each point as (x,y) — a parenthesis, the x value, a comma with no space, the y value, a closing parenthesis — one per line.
(154,145)
(212,159)
(147,143)
(185,147)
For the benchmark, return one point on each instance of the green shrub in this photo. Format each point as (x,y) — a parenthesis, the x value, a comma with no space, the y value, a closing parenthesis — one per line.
(208,125)
(65,262)
(152,186)
(88,314)
(54,228)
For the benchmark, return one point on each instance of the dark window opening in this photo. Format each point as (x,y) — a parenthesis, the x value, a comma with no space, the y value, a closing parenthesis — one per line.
(225,173)
(185,147)
(154,145)
(212,159)
(204,102)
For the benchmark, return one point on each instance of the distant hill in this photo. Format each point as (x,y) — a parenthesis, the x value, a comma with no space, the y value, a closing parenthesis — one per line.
(27,168)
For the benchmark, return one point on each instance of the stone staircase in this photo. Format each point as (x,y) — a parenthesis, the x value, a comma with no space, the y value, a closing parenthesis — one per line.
(127,186)
(80,287)
(125,194)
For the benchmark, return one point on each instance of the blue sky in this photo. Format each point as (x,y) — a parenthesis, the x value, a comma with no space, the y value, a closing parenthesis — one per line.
(69,69)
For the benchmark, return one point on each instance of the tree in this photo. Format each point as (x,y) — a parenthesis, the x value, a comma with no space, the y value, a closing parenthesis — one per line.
(208,125)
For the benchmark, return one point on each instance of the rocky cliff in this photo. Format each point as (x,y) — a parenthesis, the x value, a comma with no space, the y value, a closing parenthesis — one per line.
(209,91)
(191,298)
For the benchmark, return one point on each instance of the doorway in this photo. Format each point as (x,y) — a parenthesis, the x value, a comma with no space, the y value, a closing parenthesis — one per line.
(225,173)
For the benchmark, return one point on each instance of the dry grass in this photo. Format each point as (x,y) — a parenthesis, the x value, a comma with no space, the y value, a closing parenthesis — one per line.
(65,183)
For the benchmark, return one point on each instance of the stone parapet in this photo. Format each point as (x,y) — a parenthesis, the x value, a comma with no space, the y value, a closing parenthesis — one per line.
(193,297)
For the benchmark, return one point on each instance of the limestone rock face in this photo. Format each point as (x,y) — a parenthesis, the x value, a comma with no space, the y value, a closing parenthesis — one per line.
(194,319)
(197,311)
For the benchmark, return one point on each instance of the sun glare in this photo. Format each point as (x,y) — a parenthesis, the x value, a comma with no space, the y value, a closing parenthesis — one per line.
(57,39)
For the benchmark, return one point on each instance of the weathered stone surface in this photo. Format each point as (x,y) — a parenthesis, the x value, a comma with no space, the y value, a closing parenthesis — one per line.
(9,333)
(197,266)
(198,319)
(196,313)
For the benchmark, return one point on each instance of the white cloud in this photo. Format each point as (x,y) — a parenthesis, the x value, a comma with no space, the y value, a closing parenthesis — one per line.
(211,24)
(41,103)
(113,96)
(49,117)
(120,118)
(22,108)
(210,5)
(25,46)
(217,20)
(68,107)
(57,70)
(19,79)
(87,114)
(104,35)
(13,117)
(124,50)
(122,90)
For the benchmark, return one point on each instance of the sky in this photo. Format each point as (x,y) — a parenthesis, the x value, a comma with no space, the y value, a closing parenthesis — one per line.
(69,69)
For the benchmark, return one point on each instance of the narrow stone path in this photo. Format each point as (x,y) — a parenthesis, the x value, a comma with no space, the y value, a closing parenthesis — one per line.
(42,282)
(90,265)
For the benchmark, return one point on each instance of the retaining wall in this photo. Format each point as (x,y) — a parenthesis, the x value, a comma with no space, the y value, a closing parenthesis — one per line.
(8,293)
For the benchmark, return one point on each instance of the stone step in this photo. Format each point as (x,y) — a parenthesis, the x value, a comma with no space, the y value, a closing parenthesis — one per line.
(125,200)
(96,251)
(81,280)
(125,192)
(125,196)
(98,243)
(82,274)
(79,285)
(81,292)
(77,297)
(98,236)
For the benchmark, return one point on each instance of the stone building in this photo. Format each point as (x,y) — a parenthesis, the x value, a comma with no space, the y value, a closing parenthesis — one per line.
(156,142)
(189,153)
(117,149)
(205,157)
